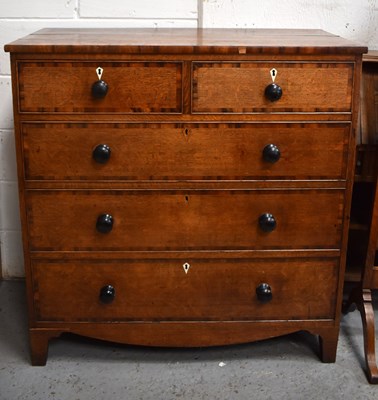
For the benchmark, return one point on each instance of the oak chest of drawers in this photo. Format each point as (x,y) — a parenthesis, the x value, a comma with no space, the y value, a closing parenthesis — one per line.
(184,187)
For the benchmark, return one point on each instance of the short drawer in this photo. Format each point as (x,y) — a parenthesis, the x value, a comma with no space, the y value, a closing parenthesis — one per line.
(94,290)
(58,151)
(133,87)
(239,87)
(184,220)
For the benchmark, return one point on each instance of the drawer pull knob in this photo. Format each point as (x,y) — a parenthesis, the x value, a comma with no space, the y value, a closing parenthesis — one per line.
(107,294)
(104,223)
(271,153)
(267,222)
(264,293)
(101,153)
(99,89)
(273,92)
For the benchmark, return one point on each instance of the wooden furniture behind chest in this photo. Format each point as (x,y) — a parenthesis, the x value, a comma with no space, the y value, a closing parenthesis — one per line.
(362,260)
(184,187)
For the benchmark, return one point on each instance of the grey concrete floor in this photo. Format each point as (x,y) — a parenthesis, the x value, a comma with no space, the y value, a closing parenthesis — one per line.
(283,368)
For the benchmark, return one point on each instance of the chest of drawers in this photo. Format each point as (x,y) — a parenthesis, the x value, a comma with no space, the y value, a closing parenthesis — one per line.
(184,187)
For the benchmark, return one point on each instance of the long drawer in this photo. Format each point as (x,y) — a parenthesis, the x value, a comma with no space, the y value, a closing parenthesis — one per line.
(93,290)
(239,87)
(133,87)
(83,151)
(190,220)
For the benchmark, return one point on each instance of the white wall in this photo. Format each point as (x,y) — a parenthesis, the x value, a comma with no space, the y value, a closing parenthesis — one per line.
(354,19)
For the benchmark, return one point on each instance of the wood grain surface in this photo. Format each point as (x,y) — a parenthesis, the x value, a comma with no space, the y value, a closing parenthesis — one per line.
(187,121)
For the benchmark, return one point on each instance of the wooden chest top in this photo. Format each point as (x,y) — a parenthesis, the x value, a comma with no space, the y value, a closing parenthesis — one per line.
(189,41)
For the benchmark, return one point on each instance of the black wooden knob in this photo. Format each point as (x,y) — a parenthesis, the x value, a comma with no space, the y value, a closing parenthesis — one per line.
(107,294)
(104,223)
(273,92)
(264,293)
(271,153)
(267,222)
(101,153)
(99,89)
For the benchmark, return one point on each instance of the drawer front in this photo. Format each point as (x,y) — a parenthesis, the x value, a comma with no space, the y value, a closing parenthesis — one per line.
(240,87)
(161,290)
(188,151)
(184,220)
(66,87)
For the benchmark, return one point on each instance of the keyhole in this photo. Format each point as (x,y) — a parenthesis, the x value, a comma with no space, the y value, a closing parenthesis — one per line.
(186,267)
(99,72)
(186,131)
(273,74)
(186,199)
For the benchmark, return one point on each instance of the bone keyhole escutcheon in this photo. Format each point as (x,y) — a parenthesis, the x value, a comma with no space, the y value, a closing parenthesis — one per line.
(186,267)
